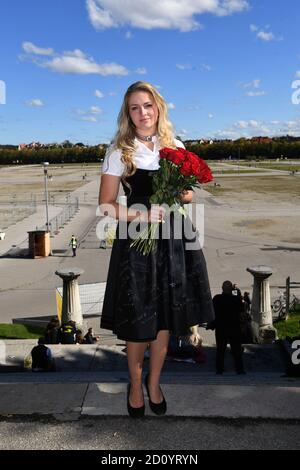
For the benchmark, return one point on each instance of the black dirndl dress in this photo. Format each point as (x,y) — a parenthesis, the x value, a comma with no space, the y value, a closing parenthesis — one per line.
(166,290)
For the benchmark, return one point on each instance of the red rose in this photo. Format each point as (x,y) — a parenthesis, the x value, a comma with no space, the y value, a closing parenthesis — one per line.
(172,155)
(189,163)
(177,158)
(186,169)
(164,153)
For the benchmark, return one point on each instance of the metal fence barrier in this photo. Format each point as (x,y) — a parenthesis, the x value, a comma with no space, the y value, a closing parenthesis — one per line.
(58,222)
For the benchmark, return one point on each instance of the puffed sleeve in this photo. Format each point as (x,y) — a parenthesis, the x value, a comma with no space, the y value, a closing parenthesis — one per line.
(112,164)
(179,144)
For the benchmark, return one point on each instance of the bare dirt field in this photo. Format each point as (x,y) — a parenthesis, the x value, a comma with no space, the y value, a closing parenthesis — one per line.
(260,206)
(263,206)
(25,185)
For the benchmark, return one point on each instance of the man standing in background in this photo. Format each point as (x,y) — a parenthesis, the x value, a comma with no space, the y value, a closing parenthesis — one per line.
(73,244)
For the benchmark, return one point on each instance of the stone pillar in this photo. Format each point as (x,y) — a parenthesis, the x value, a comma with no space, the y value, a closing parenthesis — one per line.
(262,323)
(71,306)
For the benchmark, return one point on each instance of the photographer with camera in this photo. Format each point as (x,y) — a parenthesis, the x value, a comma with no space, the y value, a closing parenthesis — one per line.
(227,325)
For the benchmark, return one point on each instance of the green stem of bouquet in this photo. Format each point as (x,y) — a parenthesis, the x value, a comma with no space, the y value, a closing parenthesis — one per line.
(145,243)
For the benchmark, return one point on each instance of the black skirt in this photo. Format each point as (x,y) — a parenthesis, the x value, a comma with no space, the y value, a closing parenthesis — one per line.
(166,290)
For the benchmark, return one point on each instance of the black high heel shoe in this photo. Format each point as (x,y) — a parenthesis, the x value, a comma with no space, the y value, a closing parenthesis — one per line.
(157,408)
(134,412)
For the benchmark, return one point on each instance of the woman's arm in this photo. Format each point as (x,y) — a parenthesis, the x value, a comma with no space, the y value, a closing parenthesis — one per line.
(108,193)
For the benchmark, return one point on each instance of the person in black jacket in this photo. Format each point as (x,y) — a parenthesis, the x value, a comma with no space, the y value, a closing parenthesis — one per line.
(42,360)
(90,338)
(228,310)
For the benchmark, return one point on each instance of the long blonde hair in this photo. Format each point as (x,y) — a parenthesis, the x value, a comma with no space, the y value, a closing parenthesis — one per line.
(124,138)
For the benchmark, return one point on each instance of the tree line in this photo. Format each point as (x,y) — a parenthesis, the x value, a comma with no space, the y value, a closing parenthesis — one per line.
(246,150)
(242,149)
(53,155)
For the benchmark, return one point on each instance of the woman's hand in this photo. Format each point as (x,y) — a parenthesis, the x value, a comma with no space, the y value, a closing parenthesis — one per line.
(153,215)
(186,196)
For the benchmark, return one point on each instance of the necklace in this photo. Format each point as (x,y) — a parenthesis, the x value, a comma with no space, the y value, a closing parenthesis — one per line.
(145,138)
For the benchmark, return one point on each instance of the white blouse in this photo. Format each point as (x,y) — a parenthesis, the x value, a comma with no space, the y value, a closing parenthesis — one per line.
(144,158)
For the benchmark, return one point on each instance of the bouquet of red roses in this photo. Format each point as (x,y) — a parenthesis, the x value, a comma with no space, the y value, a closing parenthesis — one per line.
(179,171)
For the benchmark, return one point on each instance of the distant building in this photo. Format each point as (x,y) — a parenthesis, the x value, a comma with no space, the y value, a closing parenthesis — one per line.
(32,145)
(261,139)
(102,146)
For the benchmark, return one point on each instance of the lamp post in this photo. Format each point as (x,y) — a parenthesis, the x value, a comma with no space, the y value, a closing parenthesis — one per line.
(46,165)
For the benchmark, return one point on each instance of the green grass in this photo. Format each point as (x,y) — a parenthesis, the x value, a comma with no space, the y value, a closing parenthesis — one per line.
(16,331)
(236,172)
(290,327)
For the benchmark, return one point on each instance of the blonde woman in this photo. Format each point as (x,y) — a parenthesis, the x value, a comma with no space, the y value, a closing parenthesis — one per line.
(142,304)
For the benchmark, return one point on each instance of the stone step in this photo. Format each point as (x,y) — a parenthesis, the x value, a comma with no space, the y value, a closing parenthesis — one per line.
(168,377)
(105,395)
(257,358)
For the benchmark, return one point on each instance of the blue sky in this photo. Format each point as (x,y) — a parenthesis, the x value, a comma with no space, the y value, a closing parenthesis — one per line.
(225,67)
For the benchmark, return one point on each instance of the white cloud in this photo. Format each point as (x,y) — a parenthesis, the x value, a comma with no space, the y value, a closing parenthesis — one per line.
(98,94)
(192,107)
(256,93)
(171,106)
(266,36)
(95,110)
(241,124)
(31,48)
(141,71)
(75,53)
(83,66)
(76,62)
(88,118)
(297,74)
(254,84)
(128,35)
(184,66)
(99,17)
(88,115)
(35,103)
(210,116)
(162,14)
(291,127)
(183,133)
(252,124)
(253,127)
(206,67)
(226,134)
